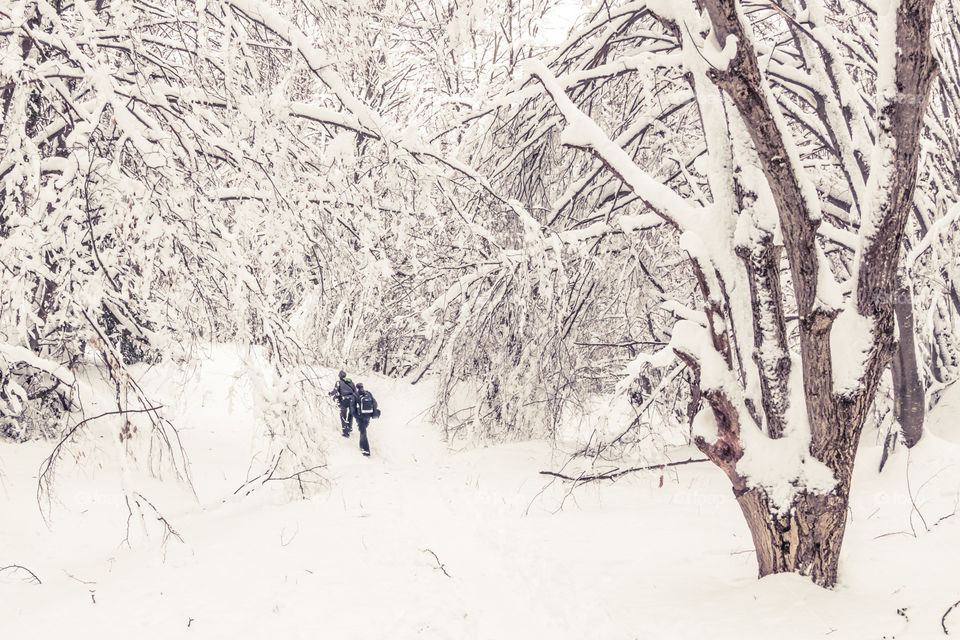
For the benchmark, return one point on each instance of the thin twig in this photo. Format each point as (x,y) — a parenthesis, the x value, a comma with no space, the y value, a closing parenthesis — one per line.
(297,474)
(50,460)
(170,530)
(616,473)
(913,501)
(621,345)
(896,533)
(956,507)
(266,475)
(646,405)
(943,620)
(786,16)
(18,566)
(440,565)
(70,575)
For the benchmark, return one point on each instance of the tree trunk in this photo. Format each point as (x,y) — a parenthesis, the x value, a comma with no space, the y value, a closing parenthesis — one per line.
(908,392)
(804,539)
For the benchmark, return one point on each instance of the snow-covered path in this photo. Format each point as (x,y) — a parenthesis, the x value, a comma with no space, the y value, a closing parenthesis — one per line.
(630,560)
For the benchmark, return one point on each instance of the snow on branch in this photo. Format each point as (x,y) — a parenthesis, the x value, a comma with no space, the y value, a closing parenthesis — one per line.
(623,224)
(15,354)
(642,62)
(582,132)
(796,197)
(933,235)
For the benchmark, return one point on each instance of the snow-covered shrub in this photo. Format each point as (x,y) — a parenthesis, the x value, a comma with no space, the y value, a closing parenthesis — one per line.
(32,404)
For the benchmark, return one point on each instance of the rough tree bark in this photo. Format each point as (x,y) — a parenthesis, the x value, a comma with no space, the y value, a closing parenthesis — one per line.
(908,392)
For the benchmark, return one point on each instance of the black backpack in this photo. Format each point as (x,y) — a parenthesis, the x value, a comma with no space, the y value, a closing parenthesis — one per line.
(365,404)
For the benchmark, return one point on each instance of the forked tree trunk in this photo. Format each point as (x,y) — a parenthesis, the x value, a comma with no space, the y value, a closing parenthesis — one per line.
(805,538)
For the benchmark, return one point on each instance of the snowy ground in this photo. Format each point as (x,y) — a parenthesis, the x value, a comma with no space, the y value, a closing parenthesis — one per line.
(628,560)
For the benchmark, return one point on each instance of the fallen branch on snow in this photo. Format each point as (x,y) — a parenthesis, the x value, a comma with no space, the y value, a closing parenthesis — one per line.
(168,528)
(44,480)
(440,565)
(22,568)
(943,620)
(616,473)
(268,476)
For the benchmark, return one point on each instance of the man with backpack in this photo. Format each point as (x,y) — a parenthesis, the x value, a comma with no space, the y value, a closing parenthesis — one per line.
(365,407)
(343,394)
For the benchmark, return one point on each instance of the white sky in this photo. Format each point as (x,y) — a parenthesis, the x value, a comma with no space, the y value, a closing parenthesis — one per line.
(559,20)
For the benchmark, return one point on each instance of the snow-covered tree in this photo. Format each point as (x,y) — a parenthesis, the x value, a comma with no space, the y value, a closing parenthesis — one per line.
(785,166)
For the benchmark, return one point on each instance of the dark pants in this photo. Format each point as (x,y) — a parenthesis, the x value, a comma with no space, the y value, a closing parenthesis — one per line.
(362,423)
(346,417)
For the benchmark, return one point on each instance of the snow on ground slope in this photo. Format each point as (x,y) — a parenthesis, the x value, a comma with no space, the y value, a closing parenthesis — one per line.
(421,541)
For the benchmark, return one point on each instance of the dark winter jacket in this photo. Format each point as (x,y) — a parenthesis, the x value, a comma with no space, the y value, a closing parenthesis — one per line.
(344,390)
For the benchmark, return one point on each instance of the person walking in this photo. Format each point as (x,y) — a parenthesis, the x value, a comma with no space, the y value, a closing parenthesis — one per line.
(364,407)
(343,394)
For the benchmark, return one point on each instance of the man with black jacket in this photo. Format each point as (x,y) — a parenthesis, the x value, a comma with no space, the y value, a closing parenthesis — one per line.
(343,393)
(365,407)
